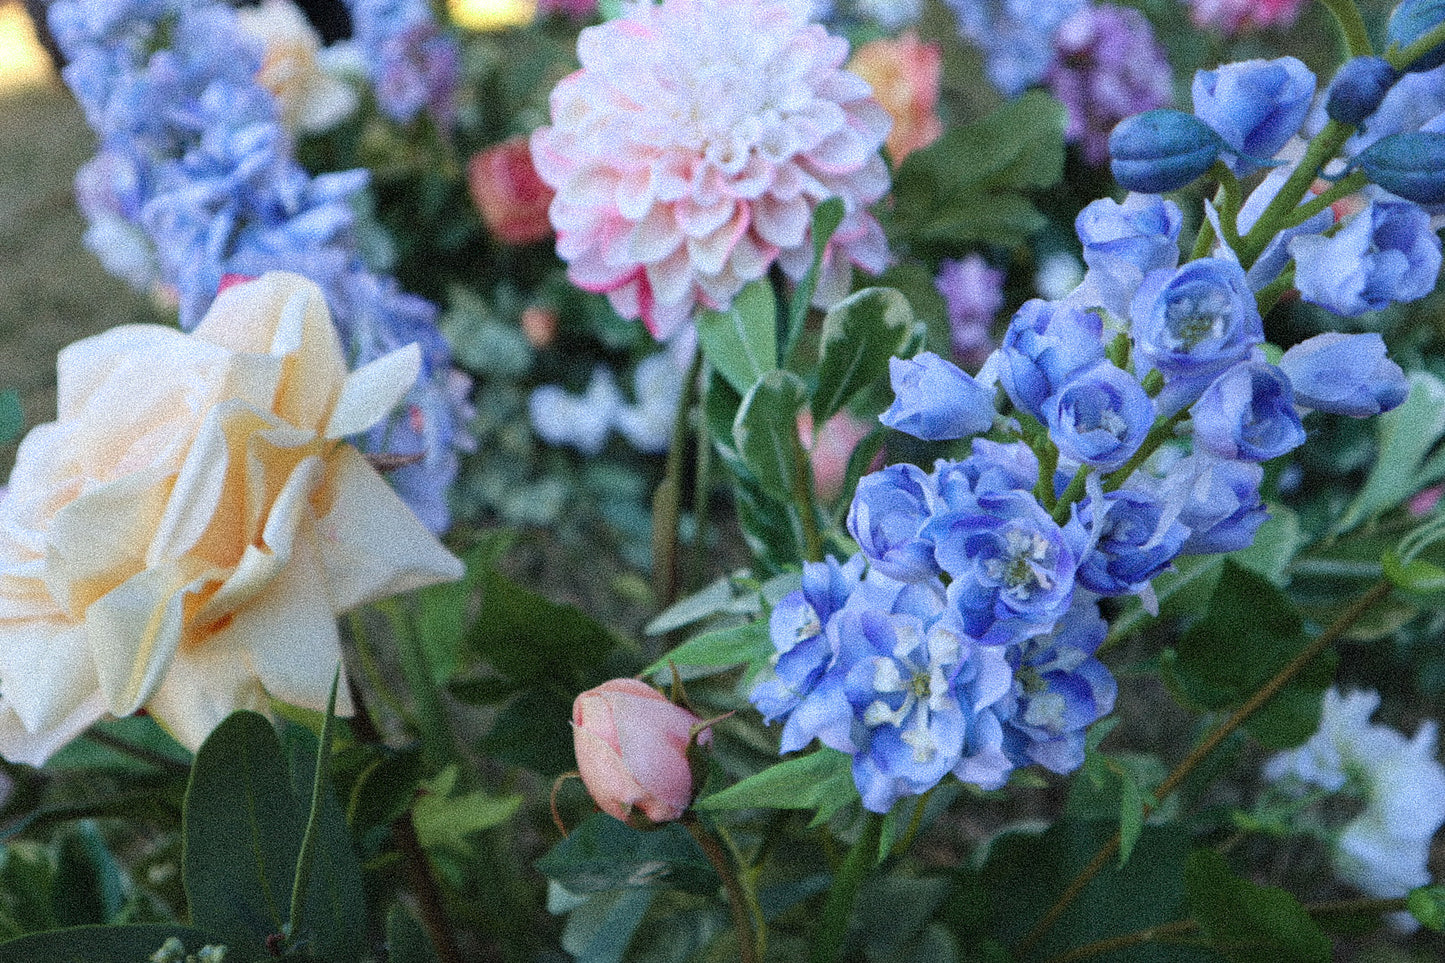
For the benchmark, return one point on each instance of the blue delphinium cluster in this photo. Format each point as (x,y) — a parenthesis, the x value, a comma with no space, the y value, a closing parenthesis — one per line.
(196,179)
(414,65)
(1112,432)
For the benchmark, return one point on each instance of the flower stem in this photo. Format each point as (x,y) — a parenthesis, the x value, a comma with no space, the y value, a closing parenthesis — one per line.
(1279,210)
(1211,742)
(667,500)
(1352,26)
(737,899)
(833,931)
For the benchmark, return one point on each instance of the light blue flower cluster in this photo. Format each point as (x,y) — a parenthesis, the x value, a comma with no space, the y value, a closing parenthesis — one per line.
(1138,411)
(413,64)
(195,179)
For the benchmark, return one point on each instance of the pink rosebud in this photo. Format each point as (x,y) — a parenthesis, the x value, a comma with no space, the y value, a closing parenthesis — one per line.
(631,745)
(904,73)
(539,326)
(506,189)
(832,448)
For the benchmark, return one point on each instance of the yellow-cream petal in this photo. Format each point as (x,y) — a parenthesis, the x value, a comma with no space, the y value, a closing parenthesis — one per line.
(45,670)
(372,391)
(133,632)
(33,748)
(205,684)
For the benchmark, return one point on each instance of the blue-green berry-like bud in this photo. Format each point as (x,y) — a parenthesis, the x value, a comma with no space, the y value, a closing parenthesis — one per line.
(1161,150)
(1410,21)
(1409,165)
(1358,89)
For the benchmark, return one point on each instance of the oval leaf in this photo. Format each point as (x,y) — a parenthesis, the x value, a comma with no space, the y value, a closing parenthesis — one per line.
(766,432)
(860,334)
(742,342)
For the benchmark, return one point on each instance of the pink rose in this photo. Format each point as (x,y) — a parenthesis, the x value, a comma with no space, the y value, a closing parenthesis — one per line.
(831,449)
(506,189)
(904,73)
(631,746)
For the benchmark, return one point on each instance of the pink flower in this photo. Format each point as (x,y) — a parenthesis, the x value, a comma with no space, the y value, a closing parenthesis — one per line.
(1239,16)
(830,450)
(631,746)
(506,189)
(690,149)
(904,73)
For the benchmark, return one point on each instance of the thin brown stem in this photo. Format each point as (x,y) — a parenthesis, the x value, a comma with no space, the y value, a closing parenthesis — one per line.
(1269,690)
(428,893)
(737,899)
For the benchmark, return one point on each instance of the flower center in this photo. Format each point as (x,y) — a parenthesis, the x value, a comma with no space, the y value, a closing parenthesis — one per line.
(1196,317)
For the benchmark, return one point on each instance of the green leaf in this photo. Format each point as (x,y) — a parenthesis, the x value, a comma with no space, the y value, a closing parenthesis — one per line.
(803,782)
(87,887)
(406,941)
(1427,904)
(860,334)
(600,928)
(12,417)
(826,218)
(242,834)
(742,342)
(529,638)
(603,853)
(105,944)
(693,608)
(1004,219)
(384,789)
(442,819)
(766,432)
(532,731)
(1406,436)
(1248,923)
(444,611)
(749,643)
(1131,814)
(1417,576)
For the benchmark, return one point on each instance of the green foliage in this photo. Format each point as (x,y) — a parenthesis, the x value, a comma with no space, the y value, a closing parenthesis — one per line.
(766,432)
(826,218)
(1427,904)
(444,818)
(1406,437)
(722,648)
(1248,923)
(12,417)
(606,854)
(106,944)
(860,334)
(967,186)
(821,780)
(406,941)
(742,342)
(88,886)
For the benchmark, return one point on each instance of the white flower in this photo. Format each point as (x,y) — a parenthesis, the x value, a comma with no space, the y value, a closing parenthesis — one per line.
(1344,742)
(294,67)
(689,152)
(576,421)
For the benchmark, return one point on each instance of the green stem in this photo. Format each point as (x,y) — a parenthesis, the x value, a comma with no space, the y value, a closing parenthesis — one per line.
(1352,26)
(1162,431)
(1280,209)
(1073,493)
(1402,57)
(747,880)
(737,899)
(913,825)
(667,500)
(1269,295)
(833,930)
(304,860)
(148,756)
(1176,777)
(1341,188)
(1203,242)
(701,492)
(1231,199)
(431,718)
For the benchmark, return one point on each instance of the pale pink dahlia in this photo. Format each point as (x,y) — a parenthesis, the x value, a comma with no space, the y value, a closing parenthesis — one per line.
(690,149)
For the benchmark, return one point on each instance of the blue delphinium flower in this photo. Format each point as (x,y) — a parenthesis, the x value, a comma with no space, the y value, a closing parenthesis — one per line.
(1193,324)
(936,400)
(414,64)
(1344,374)
(1059,690)
(1387,253)
(1162,150)
(1130,536)
(1248,413)
(1099,417)
(887,518)
(1218,499)
(1122,243)
(1014,35)
(1358,89)
(1047,342)
(1254,105)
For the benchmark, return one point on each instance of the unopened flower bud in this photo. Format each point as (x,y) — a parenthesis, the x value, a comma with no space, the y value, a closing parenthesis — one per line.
(632,751)
(1161,150)
(1409,165)
(1358,89)
(1411,20)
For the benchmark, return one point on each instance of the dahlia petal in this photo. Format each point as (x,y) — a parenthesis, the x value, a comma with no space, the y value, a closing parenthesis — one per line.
(783,223)
(709,254)
(656,237)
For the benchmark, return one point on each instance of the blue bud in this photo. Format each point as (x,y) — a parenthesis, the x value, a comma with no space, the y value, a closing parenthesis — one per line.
(1411,20)
(1358,89)
(1409,165)
(1161,150)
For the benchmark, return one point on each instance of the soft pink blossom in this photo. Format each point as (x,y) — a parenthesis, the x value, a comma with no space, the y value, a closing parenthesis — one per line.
(831,448)
(689,152)
(904,73)
(1240,16)
(631,745)
(507,191)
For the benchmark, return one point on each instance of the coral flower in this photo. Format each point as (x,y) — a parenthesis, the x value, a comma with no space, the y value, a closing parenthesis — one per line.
(689,152)
(905,73)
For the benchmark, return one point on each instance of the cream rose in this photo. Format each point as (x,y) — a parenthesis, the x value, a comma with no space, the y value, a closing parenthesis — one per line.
(185,533)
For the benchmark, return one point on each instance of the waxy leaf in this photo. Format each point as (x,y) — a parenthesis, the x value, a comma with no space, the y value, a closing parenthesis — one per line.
(1248,923)
(813,781)
(722,648)
(1406,436)
(742,342)
(860,334)
(604,853)
(766,432)
(106,944)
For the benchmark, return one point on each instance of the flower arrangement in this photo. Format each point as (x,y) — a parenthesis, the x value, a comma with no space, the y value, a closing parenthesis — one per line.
(739,479)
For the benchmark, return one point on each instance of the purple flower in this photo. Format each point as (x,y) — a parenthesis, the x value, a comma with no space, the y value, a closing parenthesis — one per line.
(1099,417)
(1248,413)
(1344,374)
(1122,243)
(1107,65)
(972,294)
(1047,343)
(1059,690)
(1384,254)
(889,511)
(414,65)
(1254,105)
(1130,536)
(935,400)
(1012,566)
(1193,325)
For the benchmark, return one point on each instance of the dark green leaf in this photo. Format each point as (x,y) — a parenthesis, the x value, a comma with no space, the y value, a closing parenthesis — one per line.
(1005,219)
(406,941)
(603,853)
(766,432)
(803,782)
(444,819)
(242,833)
(749,643)
(742,342)
(600,927)
(87,887)
(529,638)
(12,417)
(486,691)
(444,611)
(384,789)
(532,731)
(860,334)
(105,944)
(1249,923)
